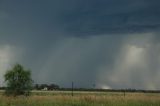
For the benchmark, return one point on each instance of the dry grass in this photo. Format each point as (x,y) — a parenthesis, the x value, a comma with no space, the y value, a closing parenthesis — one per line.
(84,99)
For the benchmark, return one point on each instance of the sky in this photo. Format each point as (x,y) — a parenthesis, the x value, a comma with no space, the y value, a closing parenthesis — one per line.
(107,43)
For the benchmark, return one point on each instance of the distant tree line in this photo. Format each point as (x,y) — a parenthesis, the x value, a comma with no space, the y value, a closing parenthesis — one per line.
(40,87)
(111,90)
(46,87)
(2,88)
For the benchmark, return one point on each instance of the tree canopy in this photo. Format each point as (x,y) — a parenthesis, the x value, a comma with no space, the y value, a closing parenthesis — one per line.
(18,81)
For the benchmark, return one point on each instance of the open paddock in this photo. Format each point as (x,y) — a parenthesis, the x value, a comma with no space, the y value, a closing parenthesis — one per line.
(82,98)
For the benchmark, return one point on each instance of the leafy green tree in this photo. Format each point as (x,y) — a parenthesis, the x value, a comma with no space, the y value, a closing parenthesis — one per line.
(18,81)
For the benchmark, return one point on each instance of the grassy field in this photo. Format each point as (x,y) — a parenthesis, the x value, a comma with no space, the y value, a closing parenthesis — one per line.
(64,98)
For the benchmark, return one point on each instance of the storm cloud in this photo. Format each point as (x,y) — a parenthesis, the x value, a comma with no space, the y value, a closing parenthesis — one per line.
(109,43)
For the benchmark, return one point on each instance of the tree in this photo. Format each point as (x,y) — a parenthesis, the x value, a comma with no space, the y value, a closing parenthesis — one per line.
(18,81)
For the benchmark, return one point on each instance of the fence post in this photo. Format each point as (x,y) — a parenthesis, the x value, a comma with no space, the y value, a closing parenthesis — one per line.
(72,88)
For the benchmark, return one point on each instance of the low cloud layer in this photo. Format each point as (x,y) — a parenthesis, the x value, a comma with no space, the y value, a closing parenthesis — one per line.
(136,65)
(131,61)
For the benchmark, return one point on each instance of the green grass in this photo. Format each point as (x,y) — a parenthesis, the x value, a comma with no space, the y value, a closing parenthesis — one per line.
(64,98)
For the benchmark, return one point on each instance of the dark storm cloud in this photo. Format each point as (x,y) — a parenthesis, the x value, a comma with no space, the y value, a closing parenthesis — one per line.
(85,17)
(89,42)
(111,16)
